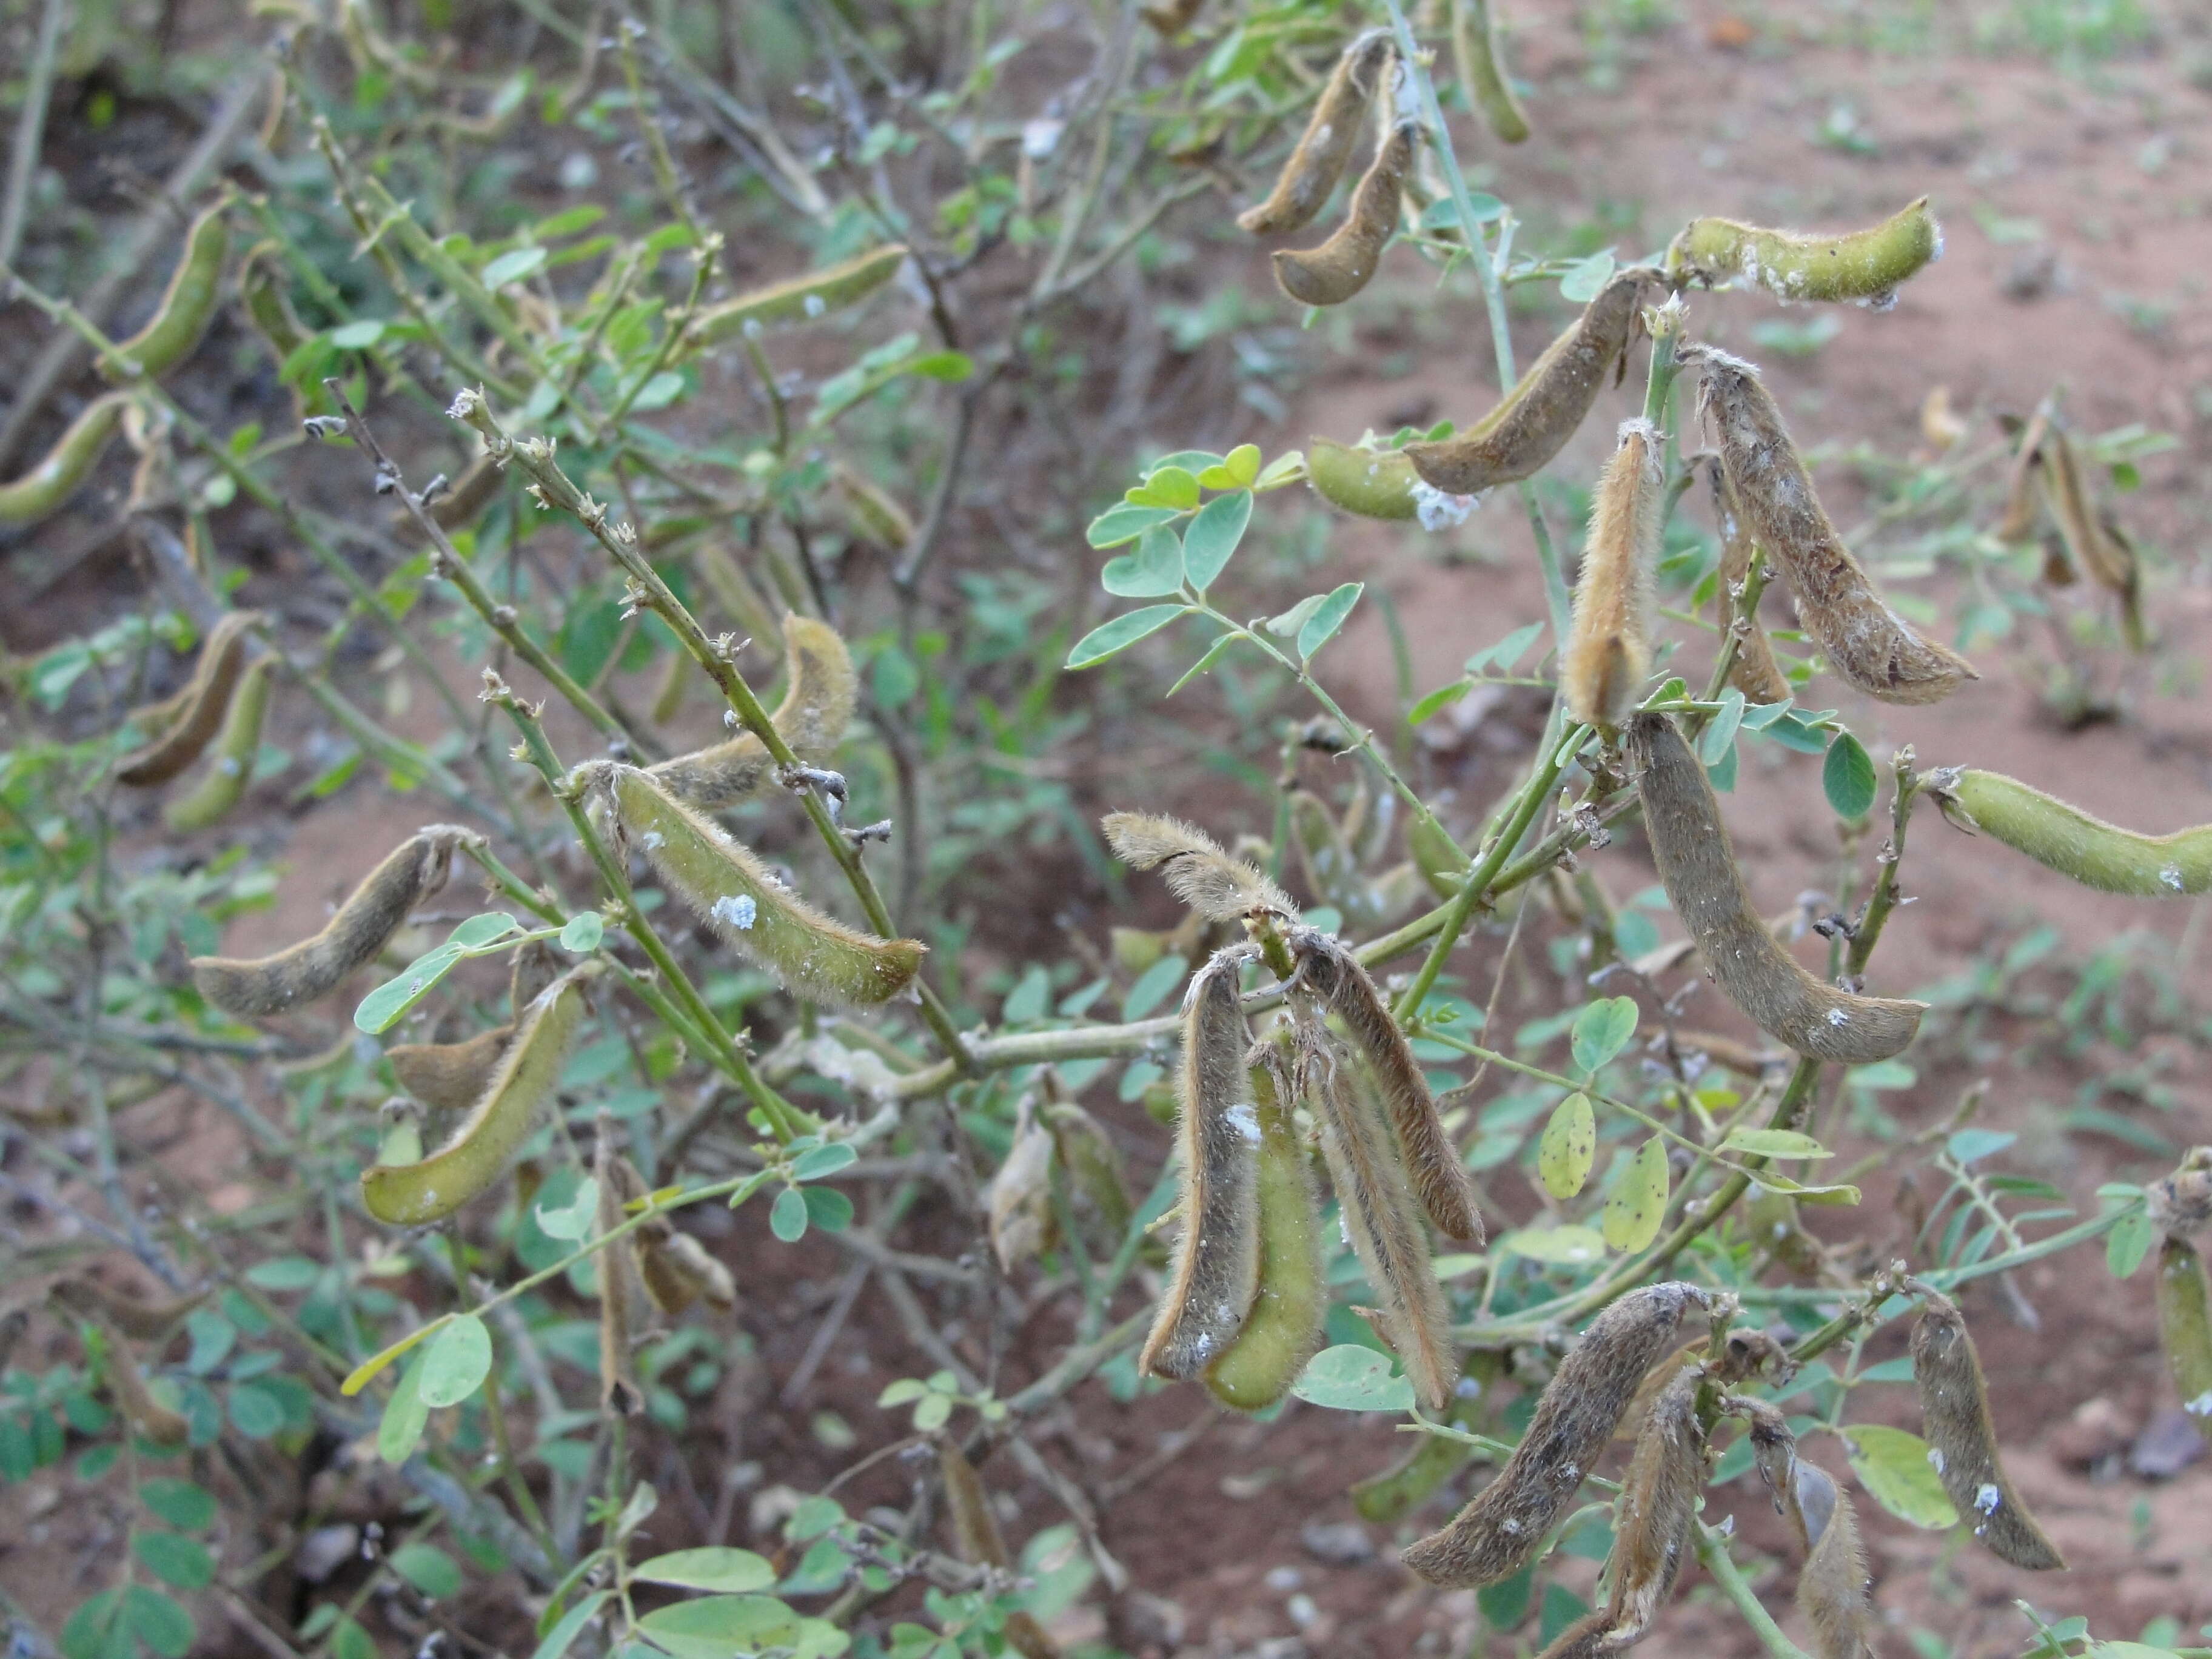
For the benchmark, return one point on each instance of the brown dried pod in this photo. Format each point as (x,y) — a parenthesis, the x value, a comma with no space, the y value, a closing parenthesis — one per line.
(1690,844)
(1533,421)
(134,1316)
(1337,270)
(1656,1520)
(977,1538)
(2022,496)
(2094,540)
(1831,1586)
(191,720)
(1867,643)
(676,1268)
(1440,1178)
(1754,670)
(1315,166)
(1495,1535)
(313,968)
(1608,651)
(815,708)
(1218,887)
(1954,1400)
(450,1076)
(622,1290)
(1217,1257)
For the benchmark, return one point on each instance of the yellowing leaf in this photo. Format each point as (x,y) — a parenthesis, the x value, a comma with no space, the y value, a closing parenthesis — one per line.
(1896,1467)
(1637,1202)
(1568,1146)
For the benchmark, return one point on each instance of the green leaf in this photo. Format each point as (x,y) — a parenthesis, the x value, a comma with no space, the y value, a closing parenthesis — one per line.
(357,336)
(385,1006)
(1970,1146)
(1714,742)
(2127,1243)
(720,1626)
(1601,1030)
(903,1392)
(1329,615)
(1561,1246)
(827,1208)
(1848,776)
(1213,537)
(563,1636)
(1352,1378)
(404,1416)
(1637,1202)
(455,1362)
(1125,523)
(713,1568)
(1124,631)
(932,1413)
(427,1567)
(175,1559)
(820,1163)
(158,1621)
(1442,697)
(255,1412)
(787,1219)
(1286,625)
(1154,569)
(512,266)
(1586,277)
(358,1377)
(1168,486)
(1214,654)
(1242,463)
(574,1219)
(1774,1143)
(1507,652)
(1893,1465)
(1569,1147)
(482,930)
(582,934)
(185,1504)
(949,367)
(1153,987)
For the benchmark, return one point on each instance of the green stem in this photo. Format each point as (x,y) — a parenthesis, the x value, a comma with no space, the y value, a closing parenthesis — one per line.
(1712,1550)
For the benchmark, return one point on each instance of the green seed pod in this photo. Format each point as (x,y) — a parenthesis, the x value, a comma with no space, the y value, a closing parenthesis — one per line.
(199,708)
(1495,1535)
(1097,1181)
(871,513)
(263,297)
(816,958)
(414,1194)
(623,1314)
(1863,266)
(1955,1402)
(1696,863)
(1608,654)
(2185,1329)
(450,1076)
(2093,540)
(2066,839)
(1867,643)
(41,492)
(1217,1253)
(1345,264)
(1283,1328)
(815,708)
(1533,421)
(1217,886)
(1656,1517)
(313,969)
(188,305)
(1326,147)
(815,294)
(1754,671)
(1372,483)
(236,747)
(1482,70)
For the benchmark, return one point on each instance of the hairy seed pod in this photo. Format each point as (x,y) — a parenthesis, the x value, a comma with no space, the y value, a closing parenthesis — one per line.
(1657,1515)
(1954,1400)
(621,1287)
(186,307)
(1754,671)
(815,957)
(1217,1255)
(1482,68)
(2185,1327)
(871,513)
(1439,1177)
(1097,1181)
(2093,540)
(1381,1221)
(1831,1589)
(413,1194)
(1319,161)
(147,1416)
(817,707)
(1867,643)
(1018,1205)
(1371,483)
(230,768)
(42,491)
(413,872)
(802,298)
(134,1316)
(450,1076)
(1864,266)
(1533,422)
(2066,839)
(2021,491)
(1345,264)
(1494,1536)
(977,1540)
(1217,886)
(200,707)
(1283,1328)
(1691,846)
(1609,651)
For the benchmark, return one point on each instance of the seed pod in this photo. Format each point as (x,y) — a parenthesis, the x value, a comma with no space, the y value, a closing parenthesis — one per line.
(1481,69)
(1955,1402)
(236,748)
(1533,422)
(268,309)
(1691,846)
(2021,493)
(1329,864)
(1319,161)
(1657,1513)
(1754,671)
(1202,875)
(1098,1183)
(146,1415)
(1831,1589)
(1373,483)
(871,513)
(815,708)
(1867,643)
(42,491)
(1497,1531)
(2093,540)
(1388,1497)
(1217,1254)
(2066,839)
(1345,264)
(675,1268)
(1609,651)
(313,969)
(200,707)
(2185,1327)
(2181,1203)
(1864,266)
(1283,1328)
(816,957)
(412,1194)
(1018,1204)
(814,294)
(977,1538)
(621,1289)
(734,592)
(450,1076)
(1440,1178)
(187,306)
(134,1316)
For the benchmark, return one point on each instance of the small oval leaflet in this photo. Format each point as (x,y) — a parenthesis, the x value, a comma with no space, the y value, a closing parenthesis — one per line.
(1152,571)
(788,1218)
(1893,1465)
(1774,1143)
(1213,535)
(456,1362)
(2128,1243)
(574,1219)
(1568,1146)
(1328,616)
(1586,278)
(1125,522)
(717,1627)
(713,1568)
(1637,1202)
(1352,1378)
(1562,1246)
(1601,1030)
(583,932)
(1847,775)
(404,1416)
(1124,631)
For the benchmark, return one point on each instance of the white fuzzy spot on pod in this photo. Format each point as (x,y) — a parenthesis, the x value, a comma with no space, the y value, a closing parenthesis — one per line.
(2171,875)
(1936,1460)
(2200,1407)
(1510,1527)
(1987,1497)
(654,839)
(737,910)
(1242,1119)
(1838,1017)
(1438,510)
(228,766)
